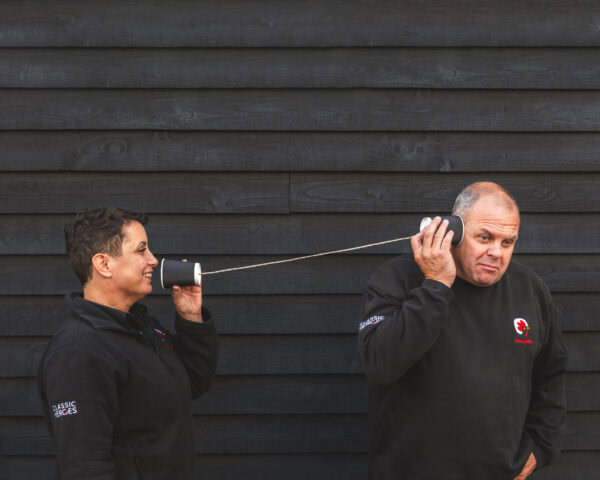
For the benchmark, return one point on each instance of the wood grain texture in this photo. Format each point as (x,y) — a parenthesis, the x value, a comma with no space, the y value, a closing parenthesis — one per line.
(570,465)
(279,354)
(236,395)
(278,434)
(238,355)
(261,314)
(229,467)
(115,151)
(302,109)
(283,394)
(378,192)
(331,275)
(287,24)
(258,434)
(168,192)
(229,234)
(548,68)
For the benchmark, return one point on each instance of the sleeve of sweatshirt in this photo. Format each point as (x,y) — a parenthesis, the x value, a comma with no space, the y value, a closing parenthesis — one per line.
(197,347)
(546,417)
(81,403)
(398,326)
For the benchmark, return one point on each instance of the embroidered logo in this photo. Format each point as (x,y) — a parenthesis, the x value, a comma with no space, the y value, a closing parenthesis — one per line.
(371,321)
(163,337)
(66,408)
(522,328)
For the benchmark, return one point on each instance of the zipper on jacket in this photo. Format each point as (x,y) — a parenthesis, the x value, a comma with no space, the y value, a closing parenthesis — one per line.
(138,463)
(151,344)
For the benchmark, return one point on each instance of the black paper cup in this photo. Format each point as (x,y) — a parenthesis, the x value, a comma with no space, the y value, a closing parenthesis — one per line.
(183,274)
(455,223)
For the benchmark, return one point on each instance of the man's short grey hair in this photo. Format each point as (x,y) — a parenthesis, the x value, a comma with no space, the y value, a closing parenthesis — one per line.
(469,195)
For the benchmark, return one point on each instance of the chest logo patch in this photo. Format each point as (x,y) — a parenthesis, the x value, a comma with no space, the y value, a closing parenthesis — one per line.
(66,408)
(522,328)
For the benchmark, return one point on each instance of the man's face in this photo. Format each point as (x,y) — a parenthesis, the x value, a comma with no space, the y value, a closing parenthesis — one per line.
(491,231)
(132,271)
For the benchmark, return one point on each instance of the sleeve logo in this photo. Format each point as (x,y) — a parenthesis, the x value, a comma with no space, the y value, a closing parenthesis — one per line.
(371,321)
(66,408)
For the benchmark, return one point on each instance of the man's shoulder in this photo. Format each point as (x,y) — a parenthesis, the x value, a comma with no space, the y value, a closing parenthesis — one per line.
(524,278)
(400,270)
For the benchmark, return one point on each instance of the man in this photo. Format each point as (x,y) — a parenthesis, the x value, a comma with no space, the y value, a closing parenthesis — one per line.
(116,386)
(463,352)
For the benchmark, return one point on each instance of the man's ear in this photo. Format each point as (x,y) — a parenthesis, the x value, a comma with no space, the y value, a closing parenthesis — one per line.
(100,263)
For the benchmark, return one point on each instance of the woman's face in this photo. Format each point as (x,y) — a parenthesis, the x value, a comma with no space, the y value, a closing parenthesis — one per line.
(132,270)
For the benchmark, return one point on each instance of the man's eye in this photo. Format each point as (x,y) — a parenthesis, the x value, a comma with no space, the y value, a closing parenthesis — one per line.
(142,250)
(484,238)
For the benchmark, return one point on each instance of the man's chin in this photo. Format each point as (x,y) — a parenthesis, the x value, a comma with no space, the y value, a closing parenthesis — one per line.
(487,279)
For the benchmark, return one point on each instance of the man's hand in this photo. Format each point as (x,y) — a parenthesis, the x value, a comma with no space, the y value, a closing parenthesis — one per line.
(528,468)
(188,301)
(432,252)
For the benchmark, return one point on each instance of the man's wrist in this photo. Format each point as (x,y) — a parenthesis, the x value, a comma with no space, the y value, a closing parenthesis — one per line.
(445,281)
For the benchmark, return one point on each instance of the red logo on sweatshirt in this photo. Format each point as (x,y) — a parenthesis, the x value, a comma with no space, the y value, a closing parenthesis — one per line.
(522,328)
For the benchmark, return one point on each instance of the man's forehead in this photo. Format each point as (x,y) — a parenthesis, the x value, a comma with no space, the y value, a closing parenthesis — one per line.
(507,225)
(493,208)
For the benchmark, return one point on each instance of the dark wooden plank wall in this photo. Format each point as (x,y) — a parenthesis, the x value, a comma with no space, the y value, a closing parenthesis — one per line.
(253,131)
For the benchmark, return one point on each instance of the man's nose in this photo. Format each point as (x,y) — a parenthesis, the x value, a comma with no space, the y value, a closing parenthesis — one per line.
(495,251)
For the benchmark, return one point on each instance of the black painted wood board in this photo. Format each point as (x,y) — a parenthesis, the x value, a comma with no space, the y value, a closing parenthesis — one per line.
(298,466)
(570,465)
(312,23)
(336,274)
(168,192)
(403,192)
(301,109)
(519,68)
(262,314)
(196,234)
(279,354)
(447,152)
(263,434)
(240,395)
(325,192)
(325,394)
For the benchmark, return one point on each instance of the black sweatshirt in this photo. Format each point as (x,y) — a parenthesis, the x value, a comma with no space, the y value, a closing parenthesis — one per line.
(465,382)
(116,390)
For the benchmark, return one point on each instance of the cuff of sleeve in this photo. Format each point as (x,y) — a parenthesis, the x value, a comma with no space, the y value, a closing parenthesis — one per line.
(207,323)
(439,288)
(539,456)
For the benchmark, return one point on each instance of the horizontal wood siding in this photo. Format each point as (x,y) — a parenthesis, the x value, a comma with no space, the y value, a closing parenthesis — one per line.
(257,131)
(275,23)
(138,151)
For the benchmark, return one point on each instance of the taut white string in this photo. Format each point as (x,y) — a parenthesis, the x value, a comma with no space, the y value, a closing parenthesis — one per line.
(306,256)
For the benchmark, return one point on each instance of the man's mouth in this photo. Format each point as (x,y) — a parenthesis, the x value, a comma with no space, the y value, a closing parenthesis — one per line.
(147,275)
(490,268)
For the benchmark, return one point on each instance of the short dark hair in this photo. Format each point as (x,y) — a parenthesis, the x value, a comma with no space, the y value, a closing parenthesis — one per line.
(96,231)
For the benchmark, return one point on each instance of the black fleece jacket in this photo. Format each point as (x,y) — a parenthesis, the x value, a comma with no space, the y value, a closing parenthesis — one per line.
(116,390)
(465,382)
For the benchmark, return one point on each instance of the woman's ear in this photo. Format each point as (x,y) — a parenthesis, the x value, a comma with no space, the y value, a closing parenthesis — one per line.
(101,264)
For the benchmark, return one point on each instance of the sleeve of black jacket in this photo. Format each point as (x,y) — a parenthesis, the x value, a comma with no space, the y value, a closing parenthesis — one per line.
(83,437)
(197,348)
(546,417)
(399,323)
